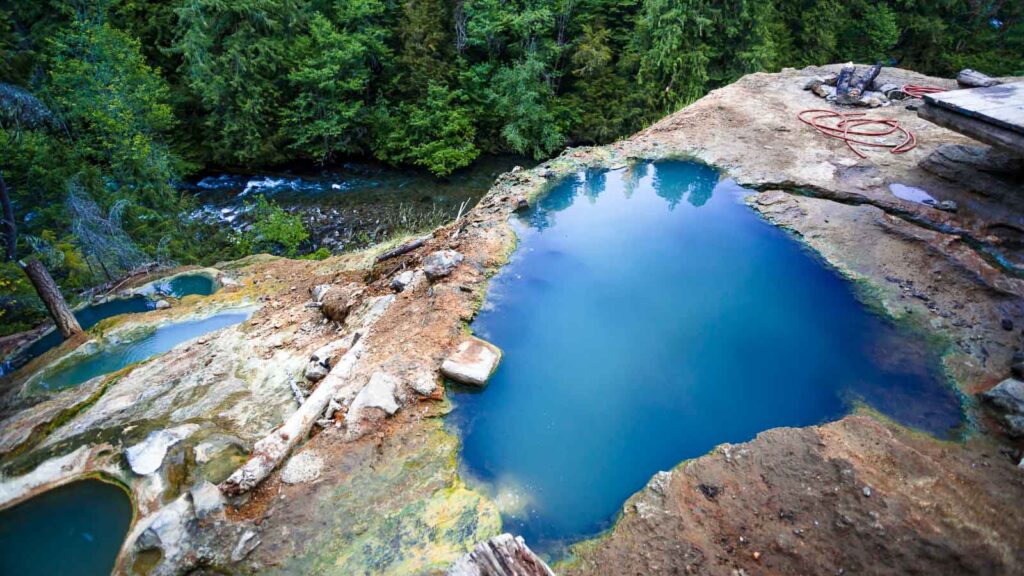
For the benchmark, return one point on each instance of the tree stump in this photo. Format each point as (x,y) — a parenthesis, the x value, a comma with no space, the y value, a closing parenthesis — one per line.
(503,555)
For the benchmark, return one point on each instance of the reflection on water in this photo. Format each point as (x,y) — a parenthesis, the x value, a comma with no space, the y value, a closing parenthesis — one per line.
(646,316)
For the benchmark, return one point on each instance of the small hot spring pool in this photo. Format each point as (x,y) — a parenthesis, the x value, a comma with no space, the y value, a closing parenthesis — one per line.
(179,286)
(647,316)
(74,529)
(184,285)
(79,370)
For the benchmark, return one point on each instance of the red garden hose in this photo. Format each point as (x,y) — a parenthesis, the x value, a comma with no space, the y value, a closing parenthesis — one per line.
(846,126)
(917,91)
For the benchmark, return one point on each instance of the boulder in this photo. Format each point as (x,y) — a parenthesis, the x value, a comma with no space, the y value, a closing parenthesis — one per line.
(162,304)
(169,529)
(207,500)
(147,456)
(472,363)
(424,383)
(1007,398)
(316,370)
(337,301)
(379,392)
(441,263)
(402,280)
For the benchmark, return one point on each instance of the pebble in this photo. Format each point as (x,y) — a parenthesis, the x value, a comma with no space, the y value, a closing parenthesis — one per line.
(867,491)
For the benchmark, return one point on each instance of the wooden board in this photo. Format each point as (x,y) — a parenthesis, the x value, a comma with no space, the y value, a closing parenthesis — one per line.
(1001,105)
(981,130)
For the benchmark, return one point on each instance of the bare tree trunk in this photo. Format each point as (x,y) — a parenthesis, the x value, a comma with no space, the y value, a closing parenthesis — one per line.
(50,294)
(461,39)
(9,227)
(271,450)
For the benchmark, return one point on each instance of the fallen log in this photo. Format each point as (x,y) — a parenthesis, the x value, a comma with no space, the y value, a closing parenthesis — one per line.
(404,248)
(272,450)
(503,555)
(973,79)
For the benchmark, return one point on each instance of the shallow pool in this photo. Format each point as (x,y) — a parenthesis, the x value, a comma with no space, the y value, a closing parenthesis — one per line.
(184,285)
(88,316)
(118,356)
(76,529)
(648,315)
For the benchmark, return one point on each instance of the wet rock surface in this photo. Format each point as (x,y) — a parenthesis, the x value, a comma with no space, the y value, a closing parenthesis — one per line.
(853,497)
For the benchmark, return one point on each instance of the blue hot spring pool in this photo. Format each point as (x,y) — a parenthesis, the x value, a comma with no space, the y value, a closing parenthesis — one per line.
(648,315)
(120,355)
(75,529)
(185,285)
(88,316)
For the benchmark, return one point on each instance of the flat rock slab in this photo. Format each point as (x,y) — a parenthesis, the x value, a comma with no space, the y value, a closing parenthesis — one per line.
(147,456)
(472,363)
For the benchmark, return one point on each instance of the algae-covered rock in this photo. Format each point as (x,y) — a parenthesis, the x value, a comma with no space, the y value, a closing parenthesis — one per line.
(394,508)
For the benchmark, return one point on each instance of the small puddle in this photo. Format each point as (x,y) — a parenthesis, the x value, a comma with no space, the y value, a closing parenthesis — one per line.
(74,529)
(912,194)
(647,316)
(78,370)
(88,316)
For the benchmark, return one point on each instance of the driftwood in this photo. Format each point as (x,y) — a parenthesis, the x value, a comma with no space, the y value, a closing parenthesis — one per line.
(272,450)
(973,79)
(851,86)
(299,396)
(503,555)
(404,248)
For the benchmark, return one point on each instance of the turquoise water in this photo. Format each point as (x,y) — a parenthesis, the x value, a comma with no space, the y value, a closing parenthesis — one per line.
(118,356)
(74,530)
(185,285)
(88,316)
(647,316)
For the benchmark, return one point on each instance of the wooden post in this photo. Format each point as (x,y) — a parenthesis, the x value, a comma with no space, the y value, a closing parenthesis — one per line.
(50,294)
(503,555)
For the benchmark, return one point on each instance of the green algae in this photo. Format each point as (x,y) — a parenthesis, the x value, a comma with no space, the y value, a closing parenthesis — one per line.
(401,511)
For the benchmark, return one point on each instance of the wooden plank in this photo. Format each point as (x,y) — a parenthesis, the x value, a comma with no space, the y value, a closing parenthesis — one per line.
(980,130)
(1001,105)
(1012,114)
